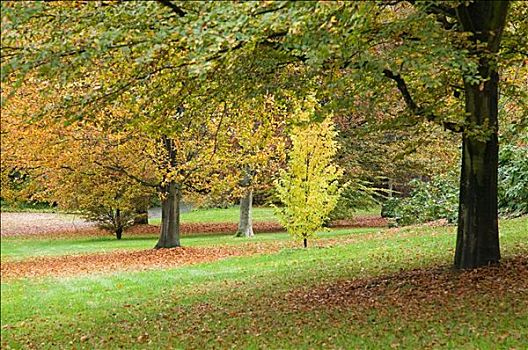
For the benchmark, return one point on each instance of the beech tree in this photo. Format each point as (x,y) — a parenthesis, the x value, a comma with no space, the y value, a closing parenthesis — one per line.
(71,165)
(259,146)
(108,169)
(442,58)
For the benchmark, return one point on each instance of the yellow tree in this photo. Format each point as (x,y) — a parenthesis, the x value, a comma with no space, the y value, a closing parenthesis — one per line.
(72,165)
(309,187)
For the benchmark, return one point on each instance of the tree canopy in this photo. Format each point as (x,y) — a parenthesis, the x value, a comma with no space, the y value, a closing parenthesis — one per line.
(423,61)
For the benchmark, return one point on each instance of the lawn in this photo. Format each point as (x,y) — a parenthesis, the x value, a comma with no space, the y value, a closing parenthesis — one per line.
(215,215)
(360,293)
(232,214)
(19,248)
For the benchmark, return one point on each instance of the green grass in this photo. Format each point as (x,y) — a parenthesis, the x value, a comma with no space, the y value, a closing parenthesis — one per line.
(20,248)
(242,302)
(216,215)
(260,214)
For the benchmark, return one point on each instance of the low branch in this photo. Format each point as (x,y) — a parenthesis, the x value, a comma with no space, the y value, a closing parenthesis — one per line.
(414,108)
(176,9)
(126,173)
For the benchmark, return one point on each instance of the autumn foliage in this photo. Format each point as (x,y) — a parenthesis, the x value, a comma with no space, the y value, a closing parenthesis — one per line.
(308,188)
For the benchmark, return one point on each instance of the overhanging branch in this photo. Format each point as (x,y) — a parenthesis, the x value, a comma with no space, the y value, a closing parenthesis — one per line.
(414,108)
(176,9)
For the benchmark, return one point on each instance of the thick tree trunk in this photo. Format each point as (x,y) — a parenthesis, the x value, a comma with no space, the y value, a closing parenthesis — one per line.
(245,225)
(170,217)
(478,232)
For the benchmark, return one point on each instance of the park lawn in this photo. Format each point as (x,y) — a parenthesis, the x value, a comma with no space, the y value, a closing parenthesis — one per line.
(17,248)
(223,215)
(246,302)
(232,214)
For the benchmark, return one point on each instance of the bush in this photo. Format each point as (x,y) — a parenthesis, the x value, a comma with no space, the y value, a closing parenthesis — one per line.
(438,198)
(513,179)
(428,201)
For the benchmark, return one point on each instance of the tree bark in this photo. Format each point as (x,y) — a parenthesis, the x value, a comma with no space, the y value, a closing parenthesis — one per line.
(119,225)
(119,232)
(141,218)
(245,224)
(478,232)
(170,217)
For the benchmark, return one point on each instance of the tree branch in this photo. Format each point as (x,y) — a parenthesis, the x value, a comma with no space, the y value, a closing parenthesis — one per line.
(176,9)
(126,173)
(414,108)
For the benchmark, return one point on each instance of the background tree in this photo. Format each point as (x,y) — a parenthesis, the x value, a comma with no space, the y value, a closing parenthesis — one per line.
(258,141)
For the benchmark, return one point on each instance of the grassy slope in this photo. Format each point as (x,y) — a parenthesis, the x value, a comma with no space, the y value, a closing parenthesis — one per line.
(228,302)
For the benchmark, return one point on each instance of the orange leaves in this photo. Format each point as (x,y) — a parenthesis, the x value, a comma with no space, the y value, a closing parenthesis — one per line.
(121,261)
(409,291)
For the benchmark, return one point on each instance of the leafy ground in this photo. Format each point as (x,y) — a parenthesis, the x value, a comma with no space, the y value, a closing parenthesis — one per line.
(374,288)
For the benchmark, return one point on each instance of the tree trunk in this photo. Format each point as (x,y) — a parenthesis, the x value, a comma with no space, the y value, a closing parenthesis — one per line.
(119,225)
(245,225)
(478,231)
(170,217)
(141,218)
(305,242)
(119,232)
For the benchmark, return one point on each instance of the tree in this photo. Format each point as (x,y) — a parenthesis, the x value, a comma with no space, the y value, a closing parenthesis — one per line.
(309,188)
(74,165)
(259,144)
(434,52)
(439,56)
(108,169)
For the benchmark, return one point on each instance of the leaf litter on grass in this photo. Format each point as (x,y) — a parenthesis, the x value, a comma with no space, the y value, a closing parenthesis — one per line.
(393,304)
(73,265)
(135,260)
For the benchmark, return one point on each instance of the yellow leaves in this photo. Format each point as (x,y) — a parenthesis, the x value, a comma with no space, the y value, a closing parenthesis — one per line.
(309,188)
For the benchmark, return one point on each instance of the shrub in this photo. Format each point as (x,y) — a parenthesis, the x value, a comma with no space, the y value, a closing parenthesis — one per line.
(428,201)
(513,179)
